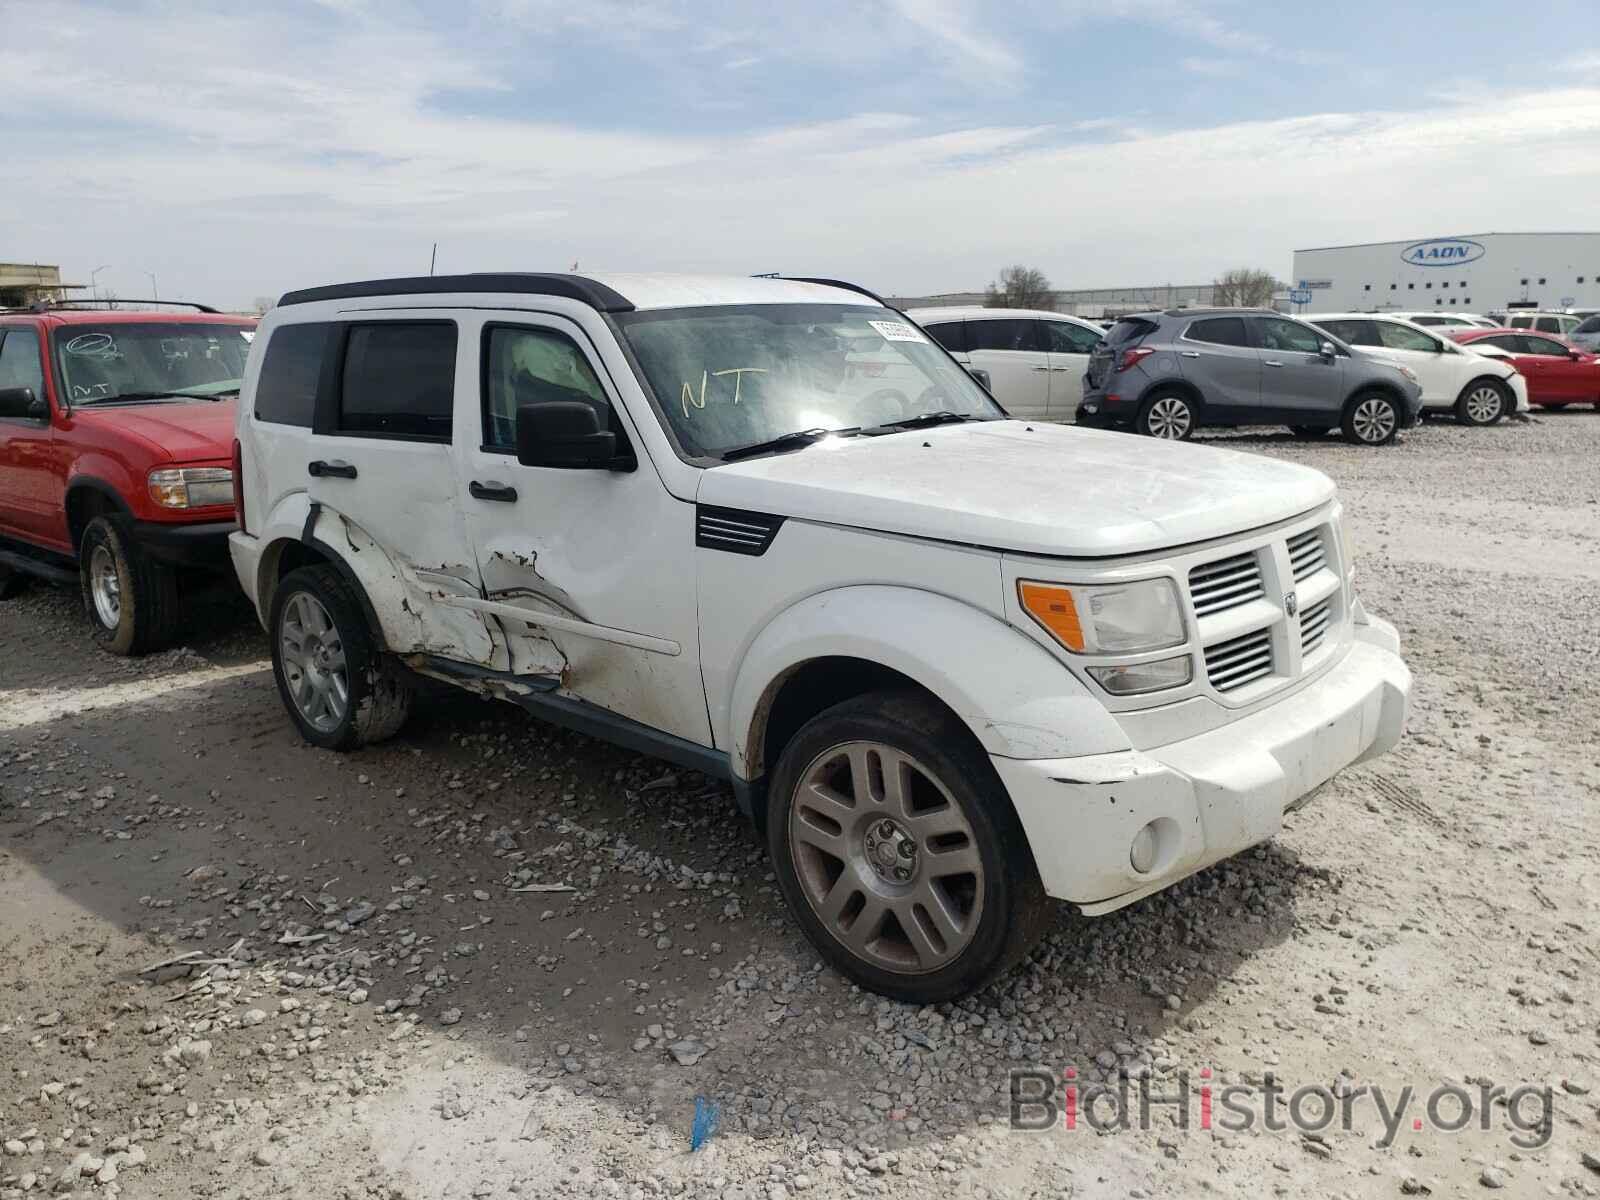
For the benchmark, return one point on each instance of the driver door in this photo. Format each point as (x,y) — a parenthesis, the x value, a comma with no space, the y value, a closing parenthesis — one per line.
(609,551)
(1294,375)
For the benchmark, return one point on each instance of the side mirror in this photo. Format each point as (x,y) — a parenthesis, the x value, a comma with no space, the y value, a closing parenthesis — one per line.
(982,378)
(1327,350)
(564,433)
(22,402)
(1575,355)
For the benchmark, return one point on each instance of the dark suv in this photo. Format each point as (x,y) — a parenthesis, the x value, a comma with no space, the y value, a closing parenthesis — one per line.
(1168,373)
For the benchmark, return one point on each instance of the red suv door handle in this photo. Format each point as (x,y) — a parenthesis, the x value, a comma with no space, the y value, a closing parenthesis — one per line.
(337,469)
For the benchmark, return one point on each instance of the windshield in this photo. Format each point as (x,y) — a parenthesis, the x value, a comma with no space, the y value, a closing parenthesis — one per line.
(102,363)
(738,375)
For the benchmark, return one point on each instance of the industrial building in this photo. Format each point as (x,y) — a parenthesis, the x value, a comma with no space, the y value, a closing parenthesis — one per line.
(1480,272)
(22,284)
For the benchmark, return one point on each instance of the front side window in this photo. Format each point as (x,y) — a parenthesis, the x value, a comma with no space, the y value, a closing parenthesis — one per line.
(1539,345)
(1592,325)
(286,389)
(19,361)
(1398,337)
(1289,335)
(736,375)
(150,360)
(399,380)
(533,366)
(1219,331)
(1063,337)
(1004,333)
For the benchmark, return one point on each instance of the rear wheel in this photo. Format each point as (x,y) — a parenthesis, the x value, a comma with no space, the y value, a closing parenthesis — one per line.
(339,687)
(1309,431)
(1167,414)
(1371,419)
(1482,402)
(131,599)
(899,853)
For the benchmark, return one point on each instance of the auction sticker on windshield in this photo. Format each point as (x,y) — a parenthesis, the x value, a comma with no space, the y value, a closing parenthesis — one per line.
(897,331)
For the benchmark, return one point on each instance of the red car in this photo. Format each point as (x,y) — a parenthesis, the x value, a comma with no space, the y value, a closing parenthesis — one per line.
(116,449)
(1558,373)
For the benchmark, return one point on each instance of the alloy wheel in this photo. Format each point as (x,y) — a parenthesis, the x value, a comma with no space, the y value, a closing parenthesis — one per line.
(1169,418)
(886,858)
(1374,420)
(105,586)
(1484,404)
(314,662)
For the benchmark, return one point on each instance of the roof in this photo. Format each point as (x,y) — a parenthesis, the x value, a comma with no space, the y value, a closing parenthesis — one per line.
(971,312)
(1462,237)
(101,316)
(606,293)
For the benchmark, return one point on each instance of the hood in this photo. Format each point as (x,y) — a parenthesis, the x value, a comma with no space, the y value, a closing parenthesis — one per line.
(1034,489)
(185,432)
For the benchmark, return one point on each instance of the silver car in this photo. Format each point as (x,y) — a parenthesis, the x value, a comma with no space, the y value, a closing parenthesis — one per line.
(1587,335)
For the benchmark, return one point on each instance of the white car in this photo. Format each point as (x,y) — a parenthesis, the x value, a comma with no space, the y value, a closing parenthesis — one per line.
(1558,323)
(1430,319)
(952,664)
(1477,388)
(1034,361)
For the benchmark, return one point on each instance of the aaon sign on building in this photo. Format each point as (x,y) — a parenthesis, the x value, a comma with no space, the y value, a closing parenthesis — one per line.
(1442,252)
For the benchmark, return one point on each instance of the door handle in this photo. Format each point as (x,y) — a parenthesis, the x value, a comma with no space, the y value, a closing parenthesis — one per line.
(1061,368)
(338,469)
(1041,368)
(1189,354)
(493,490)
(1272,362)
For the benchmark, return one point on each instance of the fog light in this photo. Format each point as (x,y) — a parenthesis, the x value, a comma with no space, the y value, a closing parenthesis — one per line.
(1138,678)
(1142,855)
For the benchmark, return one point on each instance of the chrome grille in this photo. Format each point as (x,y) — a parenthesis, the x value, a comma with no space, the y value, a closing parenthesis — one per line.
(1314,624)
(1307,554)
(1238,661)
(1227,583)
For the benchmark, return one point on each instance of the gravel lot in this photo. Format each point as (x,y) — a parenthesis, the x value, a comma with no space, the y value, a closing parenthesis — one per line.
(381,1002)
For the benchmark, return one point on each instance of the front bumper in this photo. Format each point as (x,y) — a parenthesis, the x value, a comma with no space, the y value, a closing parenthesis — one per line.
(1208,797)
(203,545)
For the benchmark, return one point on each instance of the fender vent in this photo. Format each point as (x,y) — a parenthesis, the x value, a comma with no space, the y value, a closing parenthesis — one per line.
(734,530)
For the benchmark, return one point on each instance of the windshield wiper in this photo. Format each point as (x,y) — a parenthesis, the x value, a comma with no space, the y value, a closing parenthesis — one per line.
(799,439)
(922,420)
(134,397)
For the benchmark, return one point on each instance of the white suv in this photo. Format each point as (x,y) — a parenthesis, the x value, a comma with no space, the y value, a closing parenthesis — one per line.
(1478,389)
(952,664)
(1032,361)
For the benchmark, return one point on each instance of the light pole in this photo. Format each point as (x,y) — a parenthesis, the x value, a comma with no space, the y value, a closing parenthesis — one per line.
(154,294)
(93,288)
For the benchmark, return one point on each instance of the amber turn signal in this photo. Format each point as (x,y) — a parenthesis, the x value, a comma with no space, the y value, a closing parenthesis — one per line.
(1053,608)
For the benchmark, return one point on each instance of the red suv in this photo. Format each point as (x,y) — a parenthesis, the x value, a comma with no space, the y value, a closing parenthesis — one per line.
(116,447)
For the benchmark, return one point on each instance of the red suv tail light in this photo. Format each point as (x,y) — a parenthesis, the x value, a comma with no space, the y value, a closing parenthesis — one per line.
(238,482)
(1130,357)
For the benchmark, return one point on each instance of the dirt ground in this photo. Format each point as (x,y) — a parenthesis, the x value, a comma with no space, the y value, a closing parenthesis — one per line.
(381,1002)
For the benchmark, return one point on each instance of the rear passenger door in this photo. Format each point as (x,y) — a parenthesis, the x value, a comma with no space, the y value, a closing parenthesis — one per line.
(1069,345)
(1216,356)
(1012,351)
(379,466)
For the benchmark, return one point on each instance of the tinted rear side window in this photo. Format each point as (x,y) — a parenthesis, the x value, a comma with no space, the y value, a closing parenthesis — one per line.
(286,391)
(1592,325)
(1130,329)
(952,335)
(1219,331)
(399,380)
(1004,333)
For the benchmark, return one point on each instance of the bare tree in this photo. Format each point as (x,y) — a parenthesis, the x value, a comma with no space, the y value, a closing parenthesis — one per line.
(1020,287)
(1243,287)
(265,304)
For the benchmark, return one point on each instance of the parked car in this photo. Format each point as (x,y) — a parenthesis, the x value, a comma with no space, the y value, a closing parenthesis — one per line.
(1166,374)
(951,665)
(1477,390)
(1034,360)
(1557,372)
(1587,335)
(115,468)
(1558,323)
(1430,319)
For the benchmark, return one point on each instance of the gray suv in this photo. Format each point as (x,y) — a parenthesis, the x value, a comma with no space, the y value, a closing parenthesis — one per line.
(1168,373)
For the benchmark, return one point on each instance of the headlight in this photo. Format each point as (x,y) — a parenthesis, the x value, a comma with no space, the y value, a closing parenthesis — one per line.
(191,487)
(1114,618)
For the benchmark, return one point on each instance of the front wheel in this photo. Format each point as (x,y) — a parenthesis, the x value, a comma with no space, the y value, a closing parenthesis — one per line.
(1483,402)
(899,853)
(132,600)
(339,687)
(1371,419)
(1168,415)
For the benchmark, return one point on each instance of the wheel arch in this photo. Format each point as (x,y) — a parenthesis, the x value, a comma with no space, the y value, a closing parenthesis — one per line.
(88,497)
(1184,387)
(290,554)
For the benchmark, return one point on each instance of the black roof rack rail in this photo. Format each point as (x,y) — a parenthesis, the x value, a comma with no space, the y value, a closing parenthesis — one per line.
(838,283)
(533,283)
(111,302)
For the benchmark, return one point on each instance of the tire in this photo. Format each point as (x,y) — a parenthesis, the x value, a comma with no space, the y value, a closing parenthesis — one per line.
(1310,432)
(12,582)
(339,687)
(1371,419)
(131,600)
(993,913)
(1483,402)
(1169,414)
